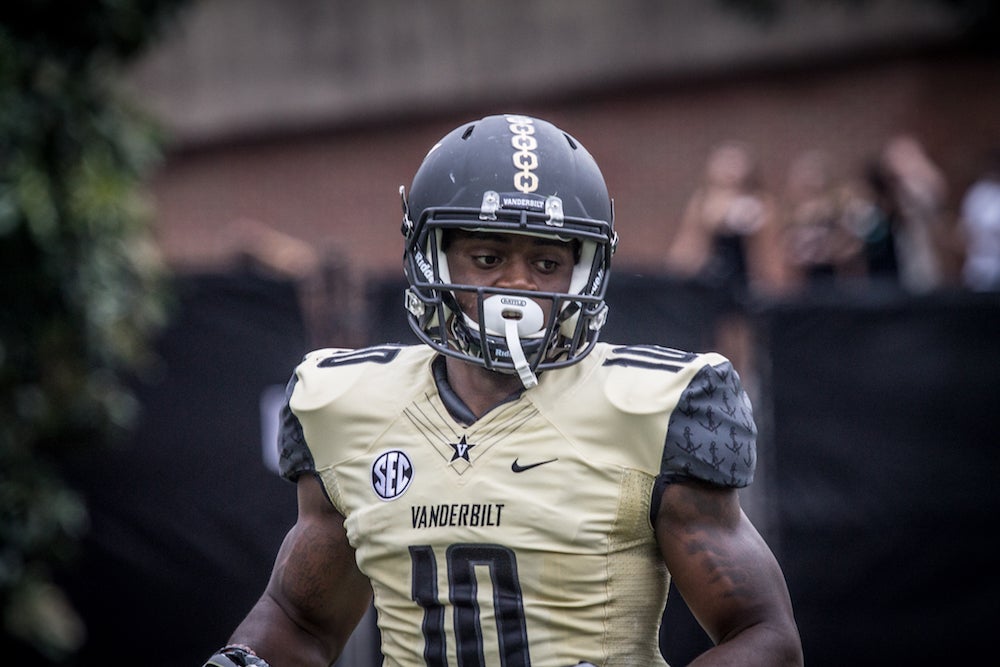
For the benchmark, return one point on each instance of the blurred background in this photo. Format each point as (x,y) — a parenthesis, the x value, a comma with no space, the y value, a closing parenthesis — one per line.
(195,192)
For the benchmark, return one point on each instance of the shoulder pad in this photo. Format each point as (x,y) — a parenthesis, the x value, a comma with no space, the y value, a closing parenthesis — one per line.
(326,374)
(646,379)
(712,435)
(323,377)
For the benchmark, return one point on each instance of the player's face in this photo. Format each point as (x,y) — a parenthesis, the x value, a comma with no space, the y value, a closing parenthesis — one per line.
(512,261)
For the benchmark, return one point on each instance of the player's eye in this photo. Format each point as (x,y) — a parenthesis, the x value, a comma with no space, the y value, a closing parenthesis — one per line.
(485,260)
(546,265)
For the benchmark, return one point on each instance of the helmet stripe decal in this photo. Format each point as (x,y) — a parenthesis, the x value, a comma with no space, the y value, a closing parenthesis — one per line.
(525,159)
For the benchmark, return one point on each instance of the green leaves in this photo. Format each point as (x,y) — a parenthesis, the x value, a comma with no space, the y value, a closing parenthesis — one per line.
(82,290)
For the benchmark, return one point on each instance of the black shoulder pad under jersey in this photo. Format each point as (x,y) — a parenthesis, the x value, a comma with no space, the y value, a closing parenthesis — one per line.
(295,457)
(712,435)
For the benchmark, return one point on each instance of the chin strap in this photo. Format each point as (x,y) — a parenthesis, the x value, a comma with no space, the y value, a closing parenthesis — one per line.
(521,365)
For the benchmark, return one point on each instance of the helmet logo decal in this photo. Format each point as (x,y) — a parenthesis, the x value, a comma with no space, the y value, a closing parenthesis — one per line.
(525,159)
(424,266)
(392,472)
(596,285)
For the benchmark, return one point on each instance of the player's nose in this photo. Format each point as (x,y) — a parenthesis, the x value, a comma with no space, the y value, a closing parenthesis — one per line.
(518,274)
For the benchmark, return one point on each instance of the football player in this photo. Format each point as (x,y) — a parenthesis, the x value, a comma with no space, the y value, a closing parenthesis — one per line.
(511,490)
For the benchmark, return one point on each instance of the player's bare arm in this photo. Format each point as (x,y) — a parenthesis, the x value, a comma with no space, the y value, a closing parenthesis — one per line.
(316,595)
(728,576)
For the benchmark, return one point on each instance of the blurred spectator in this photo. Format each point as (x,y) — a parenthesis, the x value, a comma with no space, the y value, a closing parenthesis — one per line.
(914,200)
(877,228)
(820,223)
(727,240)
(727,237)
(329,300)
(979,225)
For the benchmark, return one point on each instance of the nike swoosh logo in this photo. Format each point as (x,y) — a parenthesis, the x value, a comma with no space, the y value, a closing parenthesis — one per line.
(516,467)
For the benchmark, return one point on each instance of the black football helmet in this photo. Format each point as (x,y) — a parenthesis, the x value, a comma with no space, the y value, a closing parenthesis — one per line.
(519,175)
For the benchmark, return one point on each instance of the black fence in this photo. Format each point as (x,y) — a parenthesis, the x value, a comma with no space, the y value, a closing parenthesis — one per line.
(880,439)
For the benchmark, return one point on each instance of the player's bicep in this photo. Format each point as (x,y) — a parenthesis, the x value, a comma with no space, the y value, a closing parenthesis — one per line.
(315,580)
(718,561)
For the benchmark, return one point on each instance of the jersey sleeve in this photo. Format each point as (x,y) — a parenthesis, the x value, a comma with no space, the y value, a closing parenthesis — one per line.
(711,435)
(295,457)
(339,398)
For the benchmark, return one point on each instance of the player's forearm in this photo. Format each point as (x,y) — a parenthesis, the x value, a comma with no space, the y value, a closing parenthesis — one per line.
(277,638)
(762,644)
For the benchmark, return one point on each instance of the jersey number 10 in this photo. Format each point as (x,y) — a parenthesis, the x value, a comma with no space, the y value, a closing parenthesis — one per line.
(462,561)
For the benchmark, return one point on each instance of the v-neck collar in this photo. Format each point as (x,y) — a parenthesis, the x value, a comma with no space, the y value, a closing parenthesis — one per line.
(456,407)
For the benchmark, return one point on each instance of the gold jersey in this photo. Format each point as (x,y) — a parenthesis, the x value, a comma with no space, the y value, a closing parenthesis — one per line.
(524,537)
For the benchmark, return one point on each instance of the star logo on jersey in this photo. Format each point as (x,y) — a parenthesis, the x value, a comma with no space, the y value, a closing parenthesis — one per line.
(461,448)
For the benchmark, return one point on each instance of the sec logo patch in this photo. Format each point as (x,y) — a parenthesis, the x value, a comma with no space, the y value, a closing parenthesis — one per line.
(392,472)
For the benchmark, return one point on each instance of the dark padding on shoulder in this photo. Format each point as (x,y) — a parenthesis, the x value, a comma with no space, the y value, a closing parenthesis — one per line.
(712,435)
(295,458)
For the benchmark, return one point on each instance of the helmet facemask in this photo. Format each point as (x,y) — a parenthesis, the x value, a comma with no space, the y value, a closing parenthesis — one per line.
(506,334)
